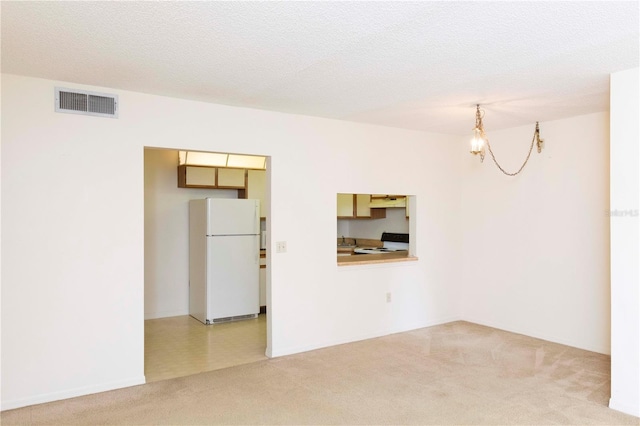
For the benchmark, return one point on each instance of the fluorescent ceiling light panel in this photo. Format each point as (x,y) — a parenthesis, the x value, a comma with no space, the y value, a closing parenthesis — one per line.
(246,161)
(216,159)
(194,158)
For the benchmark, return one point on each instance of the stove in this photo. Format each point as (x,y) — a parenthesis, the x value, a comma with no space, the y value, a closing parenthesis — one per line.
(376,250)
(392,243)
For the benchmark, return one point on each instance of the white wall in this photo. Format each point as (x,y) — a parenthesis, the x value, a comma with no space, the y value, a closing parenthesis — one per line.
(72,237)
(166,240)
(73,260)
(0,238)
(396,221)
(343,228)
(532,251)
(625,280)
(536,246)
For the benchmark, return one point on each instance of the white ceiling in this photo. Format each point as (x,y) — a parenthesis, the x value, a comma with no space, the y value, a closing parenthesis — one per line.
(415,65)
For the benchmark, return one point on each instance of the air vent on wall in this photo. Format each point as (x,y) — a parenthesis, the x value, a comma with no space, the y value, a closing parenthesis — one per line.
(87,103)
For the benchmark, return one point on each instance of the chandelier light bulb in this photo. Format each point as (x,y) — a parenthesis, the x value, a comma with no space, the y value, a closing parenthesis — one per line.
(477,143)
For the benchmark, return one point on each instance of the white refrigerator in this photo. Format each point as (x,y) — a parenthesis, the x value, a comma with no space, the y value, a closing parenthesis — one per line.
(224,259)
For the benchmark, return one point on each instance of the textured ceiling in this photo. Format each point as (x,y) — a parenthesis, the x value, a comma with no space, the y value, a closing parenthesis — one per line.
(416,65)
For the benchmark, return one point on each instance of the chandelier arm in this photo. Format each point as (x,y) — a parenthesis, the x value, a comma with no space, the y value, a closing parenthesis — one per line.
(526,160)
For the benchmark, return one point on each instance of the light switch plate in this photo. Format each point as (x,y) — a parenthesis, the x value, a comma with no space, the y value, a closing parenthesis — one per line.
(281,247)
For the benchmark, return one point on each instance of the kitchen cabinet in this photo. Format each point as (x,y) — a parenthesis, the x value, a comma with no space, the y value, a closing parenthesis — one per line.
(362,205)
(231,178)
(356,206)
(256,188)
(263,281)
(211,177)
(345,206)
(196,177)
(363,209)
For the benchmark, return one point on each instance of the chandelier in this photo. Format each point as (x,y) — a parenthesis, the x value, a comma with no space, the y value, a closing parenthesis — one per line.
(480,140)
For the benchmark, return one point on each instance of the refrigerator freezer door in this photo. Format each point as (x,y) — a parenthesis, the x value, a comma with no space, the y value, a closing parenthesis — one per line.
(233,216)
(233,276)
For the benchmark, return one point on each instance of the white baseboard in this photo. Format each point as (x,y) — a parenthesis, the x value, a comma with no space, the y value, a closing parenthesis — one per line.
(600,349)
(164,314)
(625,407)
(274,353)
(70,393)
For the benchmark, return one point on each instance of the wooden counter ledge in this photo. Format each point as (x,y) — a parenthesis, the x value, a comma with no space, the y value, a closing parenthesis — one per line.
(366,259)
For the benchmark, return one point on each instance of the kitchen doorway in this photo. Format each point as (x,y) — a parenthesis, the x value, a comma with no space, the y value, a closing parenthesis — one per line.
(181,346)
(176,344)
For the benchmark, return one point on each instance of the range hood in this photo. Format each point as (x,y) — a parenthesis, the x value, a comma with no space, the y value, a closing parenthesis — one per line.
(386,201)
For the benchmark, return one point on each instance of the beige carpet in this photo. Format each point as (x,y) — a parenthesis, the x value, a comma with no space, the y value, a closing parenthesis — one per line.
(457,373)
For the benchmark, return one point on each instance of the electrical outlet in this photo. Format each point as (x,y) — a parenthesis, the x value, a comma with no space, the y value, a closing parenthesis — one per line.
(281,247)
(388,297)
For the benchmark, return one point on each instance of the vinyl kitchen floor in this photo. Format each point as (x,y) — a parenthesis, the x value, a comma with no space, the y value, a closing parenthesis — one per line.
(181,346)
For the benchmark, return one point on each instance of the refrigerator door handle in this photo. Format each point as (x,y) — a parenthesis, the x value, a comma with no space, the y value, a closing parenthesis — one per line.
(256,214)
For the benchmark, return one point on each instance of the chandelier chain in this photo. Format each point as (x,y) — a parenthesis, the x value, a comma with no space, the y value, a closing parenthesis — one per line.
(480,139)
(526,160)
